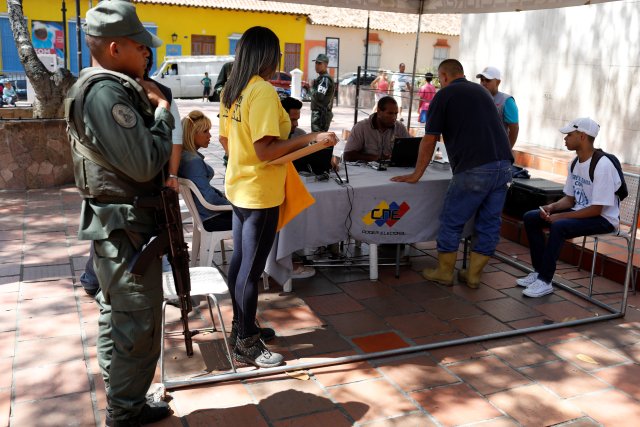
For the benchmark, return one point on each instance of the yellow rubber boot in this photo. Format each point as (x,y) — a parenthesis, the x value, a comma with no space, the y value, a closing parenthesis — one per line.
(444,273)
(472,276)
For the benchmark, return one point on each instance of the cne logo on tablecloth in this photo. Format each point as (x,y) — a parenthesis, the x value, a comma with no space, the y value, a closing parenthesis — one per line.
(386,213)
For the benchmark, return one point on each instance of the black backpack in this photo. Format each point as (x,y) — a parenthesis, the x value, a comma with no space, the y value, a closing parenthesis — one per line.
(621,192)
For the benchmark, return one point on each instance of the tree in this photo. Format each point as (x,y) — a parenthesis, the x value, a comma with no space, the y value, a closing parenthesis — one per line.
(50,88)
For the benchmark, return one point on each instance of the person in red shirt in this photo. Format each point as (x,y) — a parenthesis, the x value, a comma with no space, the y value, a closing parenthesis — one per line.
(426,94)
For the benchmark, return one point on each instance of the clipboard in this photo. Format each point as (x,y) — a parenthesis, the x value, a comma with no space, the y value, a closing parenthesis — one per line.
(294,155)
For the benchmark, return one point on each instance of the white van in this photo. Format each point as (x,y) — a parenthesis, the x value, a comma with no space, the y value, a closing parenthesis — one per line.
(183,74)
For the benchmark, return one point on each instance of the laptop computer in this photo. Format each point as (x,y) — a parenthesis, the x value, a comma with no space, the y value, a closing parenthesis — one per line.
(316,163)
(405,152)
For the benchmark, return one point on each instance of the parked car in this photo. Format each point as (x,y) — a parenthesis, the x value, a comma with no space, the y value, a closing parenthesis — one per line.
(21,89)
(350,79)
(282,82)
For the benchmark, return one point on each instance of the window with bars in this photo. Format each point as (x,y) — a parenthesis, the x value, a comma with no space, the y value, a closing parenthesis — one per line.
(375,51)
(440,52)
(291,56)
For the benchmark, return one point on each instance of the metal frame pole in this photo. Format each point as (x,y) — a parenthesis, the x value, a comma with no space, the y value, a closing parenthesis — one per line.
(415,64)
(614,314)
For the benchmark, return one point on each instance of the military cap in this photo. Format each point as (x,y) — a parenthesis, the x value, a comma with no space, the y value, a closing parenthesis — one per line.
(322,58)
(118,18)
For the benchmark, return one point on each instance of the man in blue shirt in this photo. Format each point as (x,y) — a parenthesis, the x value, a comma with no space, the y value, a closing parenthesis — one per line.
(507,108)
(480,157)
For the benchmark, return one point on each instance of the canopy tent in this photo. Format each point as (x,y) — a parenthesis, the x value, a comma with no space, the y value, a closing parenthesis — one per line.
(446,6)
(431,7)
(423,7)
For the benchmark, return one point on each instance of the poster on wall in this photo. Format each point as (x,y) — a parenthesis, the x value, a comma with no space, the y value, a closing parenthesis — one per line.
(174,50)
(333,51)
(48,38)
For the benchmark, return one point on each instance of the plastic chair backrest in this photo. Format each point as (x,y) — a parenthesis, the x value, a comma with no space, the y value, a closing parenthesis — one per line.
(187,196)
(187,190)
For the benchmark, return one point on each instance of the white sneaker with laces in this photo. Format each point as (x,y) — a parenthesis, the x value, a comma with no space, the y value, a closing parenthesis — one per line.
(527,280)
(302,272)
(537,289)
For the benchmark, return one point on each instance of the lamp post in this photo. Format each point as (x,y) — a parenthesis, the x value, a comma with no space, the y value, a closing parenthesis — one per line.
(78,36)
(64,31)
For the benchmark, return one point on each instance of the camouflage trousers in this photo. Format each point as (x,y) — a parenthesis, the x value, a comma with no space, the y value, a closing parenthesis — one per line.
(129,324)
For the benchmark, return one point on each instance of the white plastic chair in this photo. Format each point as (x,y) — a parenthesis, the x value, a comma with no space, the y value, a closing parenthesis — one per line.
(627,213)
(203,242)
(205,281)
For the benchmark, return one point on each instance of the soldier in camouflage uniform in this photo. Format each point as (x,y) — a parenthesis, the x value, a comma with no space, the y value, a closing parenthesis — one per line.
(322,92)
(120,131)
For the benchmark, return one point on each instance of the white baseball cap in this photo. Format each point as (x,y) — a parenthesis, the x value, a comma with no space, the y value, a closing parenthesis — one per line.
(583,124)
(489,73)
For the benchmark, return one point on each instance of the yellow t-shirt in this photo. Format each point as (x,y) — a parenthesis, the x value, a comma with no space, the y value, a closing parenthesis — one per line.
(249,182)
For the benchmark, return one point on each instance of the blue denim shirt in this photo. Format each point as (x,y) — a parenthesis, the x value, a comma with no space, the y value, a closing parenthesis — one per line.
(194,168)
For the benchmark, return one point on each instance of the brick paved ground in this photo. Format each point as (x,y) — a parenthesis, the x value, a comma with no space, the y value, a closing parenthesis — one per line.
(577,376)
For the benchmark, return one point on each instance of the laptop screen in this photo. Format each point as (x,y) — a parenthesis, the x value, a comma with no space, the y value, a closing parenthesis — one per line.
(405,152)
(317,163)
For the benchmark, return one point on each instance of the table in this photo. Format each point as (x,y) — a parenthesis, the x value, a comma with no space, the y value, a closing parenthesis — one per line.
(371,209)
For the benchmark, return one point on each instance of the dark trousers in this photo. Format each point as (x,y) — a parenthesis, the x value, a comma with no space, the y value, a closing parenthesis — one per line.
(253,233)
(220,222)
(545,256)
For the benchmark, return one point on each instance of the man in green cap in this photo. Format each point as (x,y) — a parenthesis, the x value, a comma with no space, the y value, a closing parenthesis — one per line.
(322,92)
(120,131)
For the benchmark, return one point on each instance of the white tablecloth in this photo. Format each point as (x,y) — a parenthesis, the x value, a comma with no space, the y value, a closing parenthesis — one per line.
(371,209)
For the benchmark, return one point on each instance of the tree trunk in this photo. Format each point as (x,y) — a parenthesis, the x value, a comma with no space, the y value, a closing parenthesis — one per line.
(50,88)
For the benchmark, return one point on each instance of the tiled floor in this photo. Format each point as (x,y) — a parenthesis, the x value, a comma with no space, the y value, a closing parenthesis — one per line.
(585,375)
(580,376)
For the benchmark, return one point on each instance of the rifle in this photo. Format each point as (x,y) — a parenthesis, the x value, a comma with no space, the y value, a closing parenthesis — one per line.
(170,241)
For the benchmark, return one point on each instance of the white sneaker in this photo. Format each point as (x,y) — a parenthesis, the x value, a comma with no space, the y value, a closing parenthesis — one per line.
(537,289)
(302,272)
(527,280)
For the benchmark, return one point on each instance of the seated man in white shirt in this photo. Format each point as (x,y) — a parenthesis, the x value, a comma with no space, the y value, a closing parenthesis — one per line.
(588,207)
(372,139)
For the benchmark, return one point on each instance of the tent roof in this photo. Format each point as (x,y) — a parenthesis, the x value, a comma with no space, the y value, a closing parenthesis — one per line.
(397,6)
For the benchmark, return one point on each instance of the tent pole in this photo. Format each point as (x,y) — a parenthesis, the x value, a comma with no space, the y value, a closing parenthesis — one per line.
(415,64)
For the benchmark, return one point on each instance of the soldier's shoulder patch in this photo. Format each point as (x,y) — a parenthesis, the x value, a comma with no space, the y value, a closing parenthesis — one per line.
(124,115)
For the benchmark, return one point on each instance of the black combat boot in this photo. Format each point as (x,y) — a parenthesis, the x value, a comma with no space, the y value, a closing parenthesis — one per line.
(266,334)
(150,413)
(252,351)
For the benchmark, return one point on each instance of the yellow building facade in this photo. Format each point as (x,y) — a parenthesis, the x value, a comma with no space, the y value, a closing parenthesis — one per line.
(185,30)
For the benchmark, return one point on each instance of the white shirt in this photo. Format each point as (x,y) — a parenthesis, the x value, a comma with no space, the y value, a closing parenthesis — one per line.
(601,191)
(400,81)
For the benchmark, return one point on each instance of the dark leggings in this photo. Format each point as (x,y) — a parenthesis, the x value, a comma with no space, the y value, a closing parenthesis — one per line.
(221,222)
(253,233)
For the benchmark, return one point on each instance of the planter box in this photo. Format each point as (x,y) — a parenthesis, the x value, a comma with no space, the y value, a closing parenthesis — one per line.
(34,154)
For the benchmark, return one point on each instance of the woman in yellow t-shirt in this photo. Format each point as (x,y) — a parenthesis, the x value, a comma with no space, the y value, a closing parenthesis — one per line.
(255,128)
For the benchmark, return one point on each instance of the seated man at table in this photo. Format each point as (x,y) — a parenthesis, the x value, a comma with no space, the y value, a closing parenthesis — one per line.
(293,106)
(372,139)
